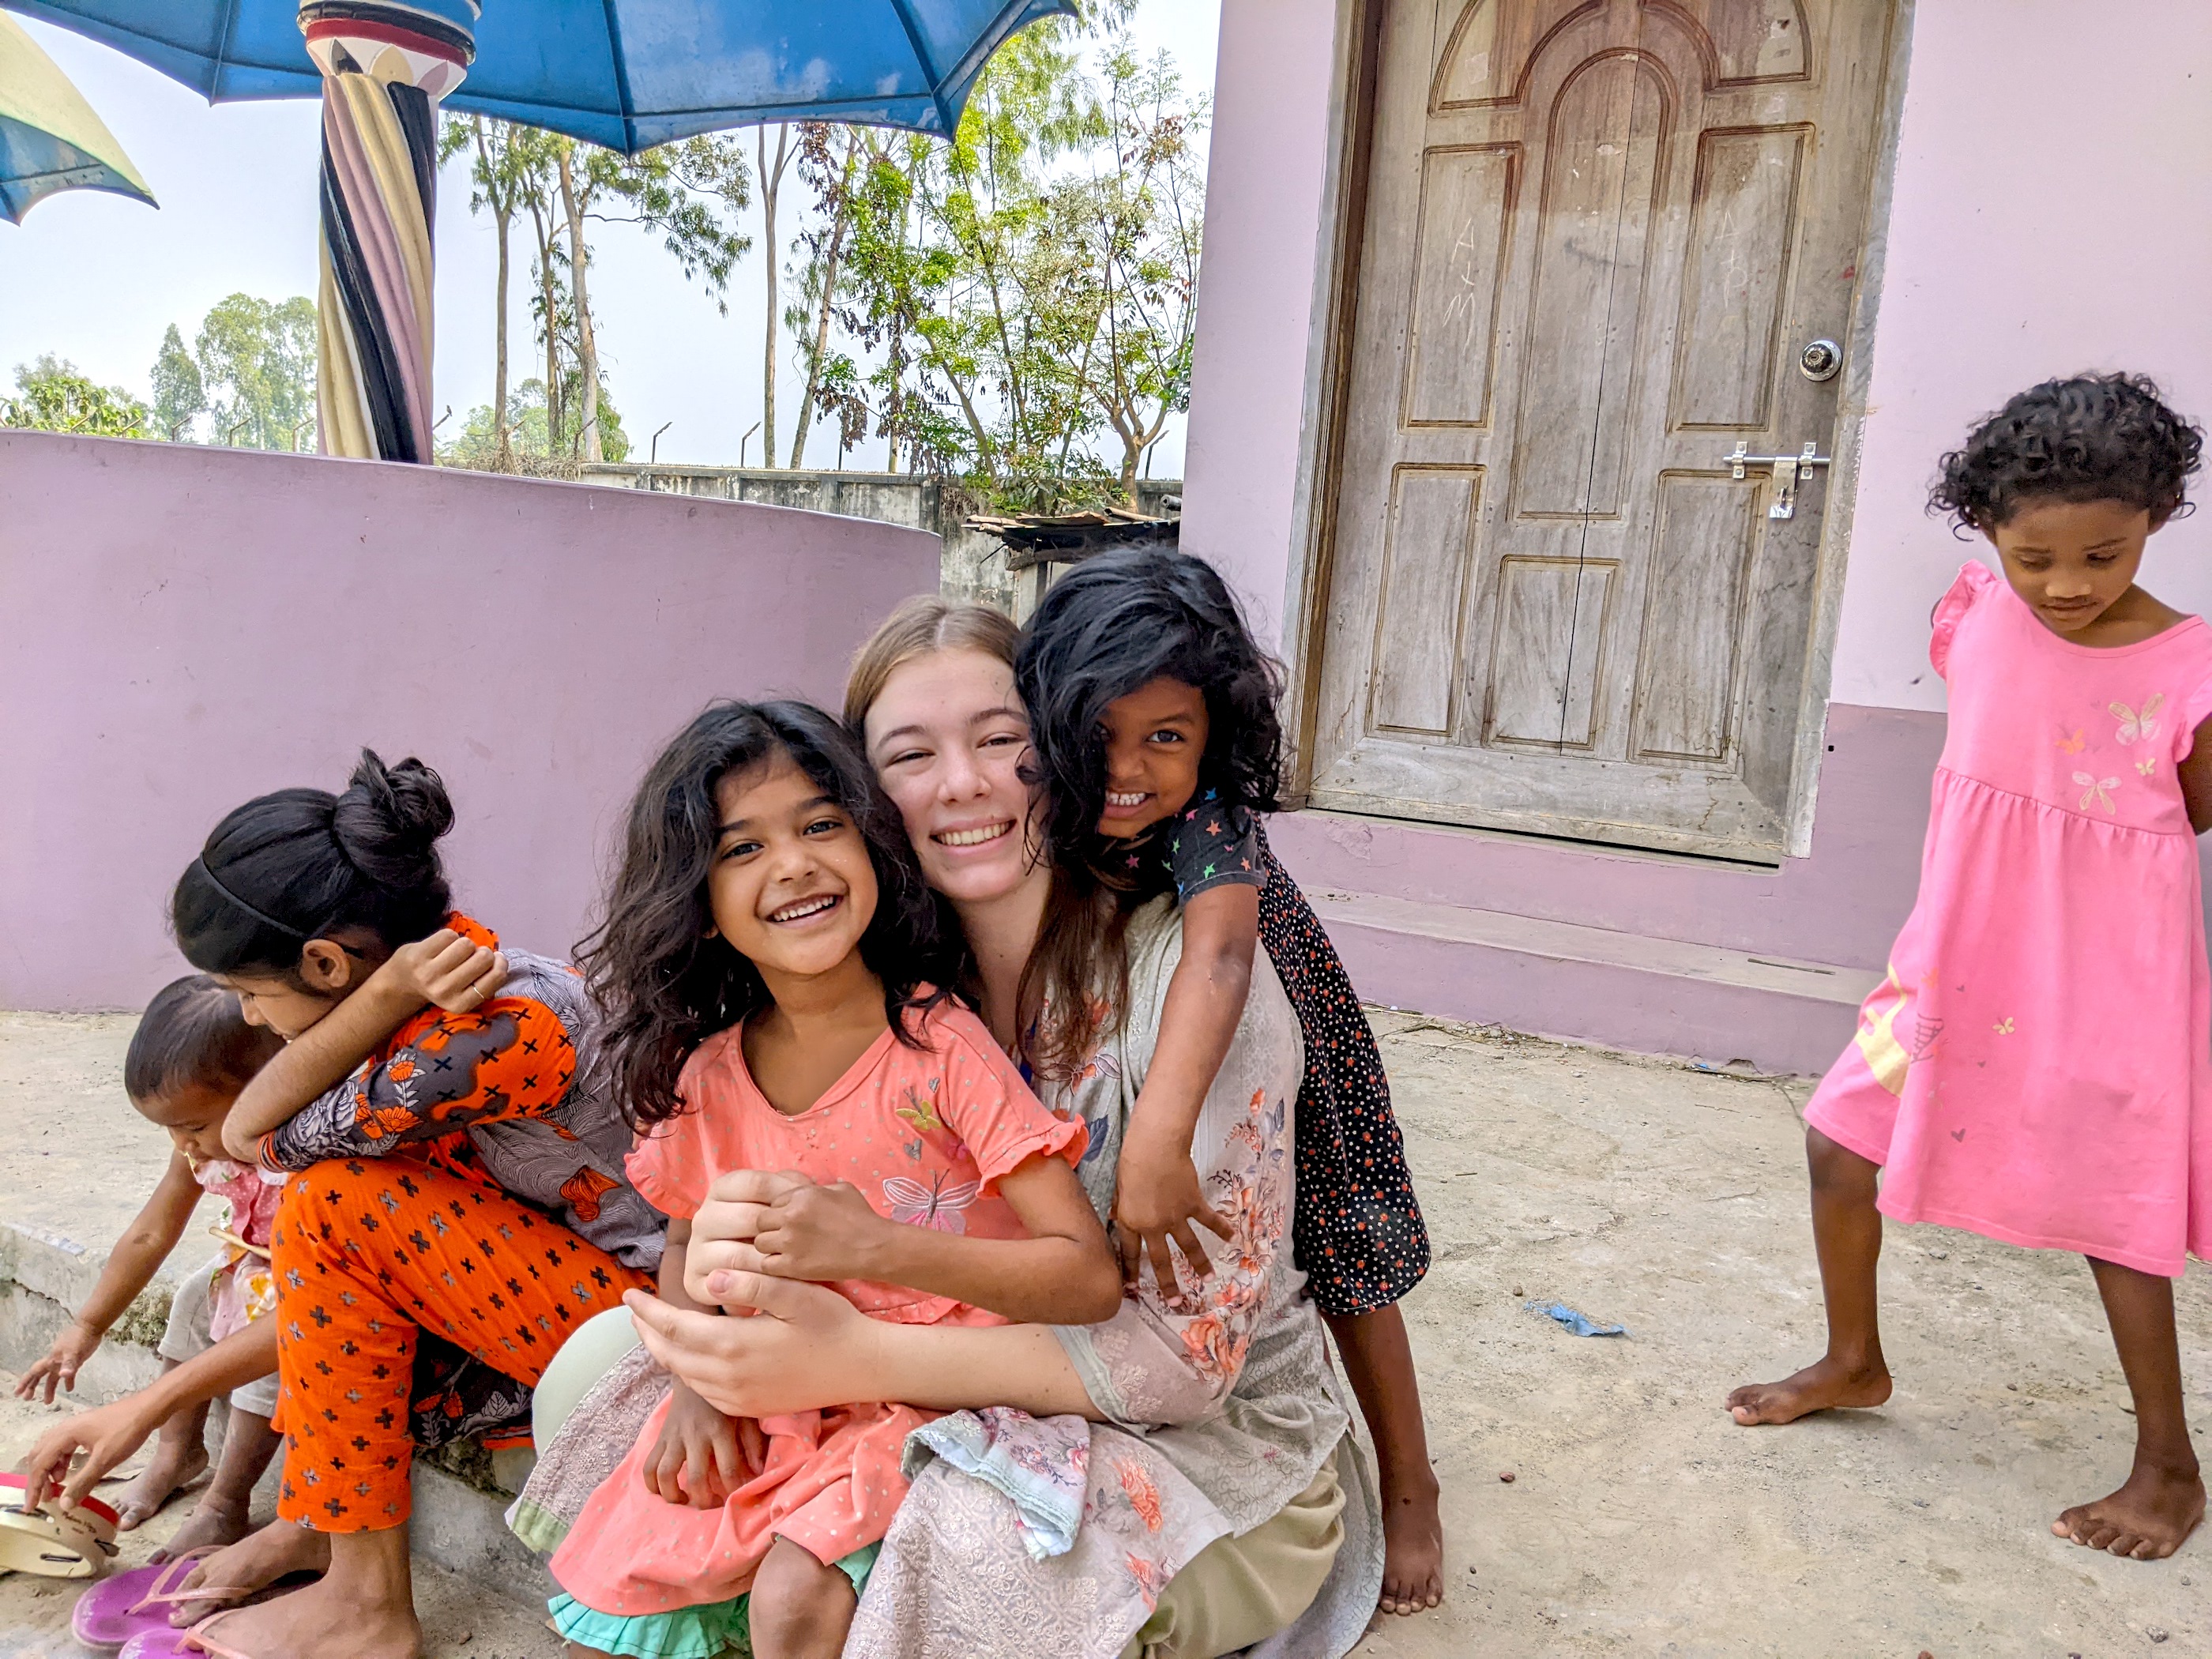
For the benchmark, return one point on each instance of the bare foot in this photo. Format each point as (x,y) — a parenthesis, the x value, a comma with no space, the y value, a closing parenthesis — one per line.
(1413,1551)
(2146,1519)
(1824,1385)
(320,1622)
(254,1563)
(214,1520)
(174,1468)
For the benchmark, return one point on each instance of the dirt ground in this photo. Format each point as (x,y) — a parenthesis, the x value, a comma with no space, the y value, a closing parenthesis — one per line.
(1640,1518)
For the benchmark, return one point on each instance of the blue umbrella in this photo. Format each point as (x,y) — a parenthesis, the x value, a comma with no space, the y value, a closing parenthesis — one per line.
(627,74)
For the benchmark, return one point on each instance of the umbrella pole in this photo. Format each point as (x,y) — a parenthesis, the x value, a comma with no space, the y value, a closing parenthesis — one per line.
(385,69)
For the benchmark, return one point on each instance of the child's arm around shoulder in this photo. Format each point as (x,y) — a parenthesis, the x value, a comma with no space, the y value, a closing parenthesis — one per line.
(1158,1196)
(131,1265)
(446,969)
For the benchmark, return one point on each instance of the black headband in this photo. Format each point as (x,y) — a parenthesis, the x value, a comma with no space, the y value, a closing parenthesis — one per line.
(261,916)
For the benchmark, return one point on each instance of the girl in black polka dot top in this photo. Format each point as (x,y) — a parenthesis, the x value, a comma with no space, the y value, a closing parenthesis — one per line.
(1157,748)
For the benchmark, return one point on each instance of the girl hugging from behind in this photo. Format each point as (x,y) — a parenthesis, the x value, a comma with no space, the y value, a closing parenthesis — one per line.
(2037,1066)
(1157,745)
(765,966)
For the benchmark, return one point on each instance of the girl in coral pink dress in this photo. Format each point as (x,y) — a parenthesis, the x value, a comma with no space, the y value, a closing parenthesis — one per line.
(769,920)
(2037,1065)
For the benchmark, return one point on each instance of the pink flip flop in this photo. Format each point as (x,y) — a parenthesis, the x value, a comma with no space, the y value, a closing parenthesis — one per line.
(200,1638)
(132,1603)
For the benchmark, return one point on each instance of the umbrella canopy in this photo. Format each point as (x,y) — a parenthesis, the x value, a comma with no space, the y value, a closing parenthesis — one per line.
(50,139)
(627,74)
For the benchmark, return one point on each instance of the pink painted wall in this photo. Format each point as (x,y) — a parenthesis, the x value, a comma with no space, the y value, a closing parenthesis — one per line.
(1251,378)
(187,627)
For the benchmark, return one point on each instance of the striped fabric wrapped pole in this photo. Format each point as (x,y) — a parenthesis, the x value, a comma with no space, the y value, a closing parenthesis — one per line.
(385,65)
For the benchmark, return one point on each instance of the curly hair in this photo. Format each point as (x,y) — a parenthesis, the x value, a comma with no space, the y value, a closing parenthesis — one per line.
(662,984)
(1114,624)
(2090,438)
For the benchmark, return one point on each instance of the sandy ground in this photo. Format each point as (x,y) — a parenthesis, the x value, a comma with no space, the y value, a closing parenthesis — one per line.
(1640,1519)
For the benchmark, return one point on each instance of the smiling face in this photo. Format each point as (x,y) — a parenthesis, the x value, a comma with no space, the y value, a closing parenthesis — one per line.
(791,888)
(193,1114)
(2072,560)
(1155,741)
(946,736)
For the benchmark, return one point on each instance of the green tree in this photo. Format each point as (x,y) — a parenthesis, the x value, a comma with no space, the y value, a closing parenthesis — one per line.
(257,363)
(690,193)
(180,399)
(53,395)
(1136,223)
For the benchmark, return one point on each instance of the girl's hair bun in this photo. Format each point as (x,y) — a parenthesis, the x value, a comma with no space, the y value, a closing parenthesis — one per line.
(388,821)
(303,864)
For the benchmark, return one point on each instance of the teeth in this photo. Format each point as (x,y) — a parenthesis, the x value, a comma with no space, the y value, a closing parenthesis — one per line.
(804,909)
(972,837)
(1113,799)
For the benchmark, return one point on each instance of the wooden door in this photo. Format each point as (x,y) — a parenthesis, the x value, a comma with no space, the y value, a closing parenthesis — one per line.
(1599,235)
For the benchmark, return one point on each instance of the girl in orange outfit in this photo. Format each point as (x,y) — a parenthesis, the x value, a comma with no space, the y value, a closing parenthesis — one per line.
(764,965)
(456,1175)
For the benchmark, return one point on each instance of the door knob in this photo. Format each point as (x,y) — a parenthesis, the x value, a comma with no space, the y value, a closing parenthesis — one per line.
(1820,360)
(1787,471)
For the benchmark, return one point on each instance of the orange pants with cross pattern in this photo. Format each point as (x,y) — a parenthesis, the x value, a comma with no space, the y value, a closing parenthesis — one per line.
(366,1253)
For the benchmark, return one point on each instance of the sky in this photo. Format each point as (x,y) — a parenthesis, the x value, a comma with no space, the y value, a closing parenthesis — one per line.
(97,279)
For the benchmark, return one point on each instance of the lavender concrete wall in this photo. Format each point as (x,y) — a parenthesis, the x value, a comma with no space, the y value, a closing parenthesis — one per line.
(187,628)
(2010,258)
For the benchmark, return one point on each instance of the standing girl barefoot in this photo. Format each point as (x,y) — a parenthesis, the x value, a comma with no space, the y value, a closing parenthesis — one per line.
(1153,713)
(763,965)
(2037,1067)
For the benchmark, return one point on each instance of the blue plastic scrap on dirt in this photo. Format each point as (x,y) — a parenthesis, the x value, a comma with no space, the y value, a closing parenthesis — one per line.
(1580,1323)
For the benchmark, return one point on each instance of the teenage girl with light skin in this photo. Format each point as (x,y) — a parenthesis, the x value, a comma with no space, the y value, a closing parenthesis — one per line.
(2038,1065)
(763,965)
(933,697)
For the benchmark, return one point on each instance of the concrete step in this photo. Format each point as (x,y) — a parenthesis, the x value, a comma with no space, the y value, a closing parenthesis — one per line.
(1592,984)
(457,1523)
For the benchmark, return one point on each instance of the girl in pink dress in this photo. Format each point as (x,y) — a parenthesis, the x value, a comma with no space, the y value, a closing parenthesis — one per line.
(770,923)
(2037,1065)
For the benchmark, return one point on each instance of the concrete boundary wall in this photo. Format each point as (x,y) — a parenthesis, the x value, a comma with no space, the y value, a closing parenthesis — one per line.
(974,565)
(187,627)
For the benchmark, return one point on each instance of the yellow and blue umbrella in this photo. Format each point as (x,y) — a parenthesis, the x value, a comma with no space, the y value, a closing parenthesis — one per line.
(627,74)
(50,139)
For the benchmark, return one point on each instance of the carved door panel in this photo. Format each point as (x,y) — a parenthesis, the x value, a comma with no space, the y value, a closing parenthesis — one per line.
(1599,236)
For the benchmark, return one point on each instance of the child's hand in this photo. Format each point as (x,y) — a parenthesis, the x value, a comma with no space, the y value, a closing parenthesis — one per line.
(453,972)
(822,1233)
(106,1435)
(1157,1198)
(59,1366)
(701,1455)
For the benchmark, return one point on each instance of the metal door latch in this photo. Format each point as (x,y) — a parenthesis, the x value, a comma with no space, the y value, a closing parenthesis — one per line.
(1787,470)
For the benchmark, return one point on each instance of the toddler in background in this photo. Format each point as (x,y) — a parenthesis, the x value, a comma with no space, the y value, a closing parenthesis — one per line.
(188,1060)
(2037,1066)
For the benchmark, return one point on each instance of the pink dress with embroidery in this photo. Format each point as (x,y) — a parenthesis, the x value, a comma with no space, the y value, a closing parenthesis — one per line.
(2037,1066)
(243,1291)
(925,1135)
